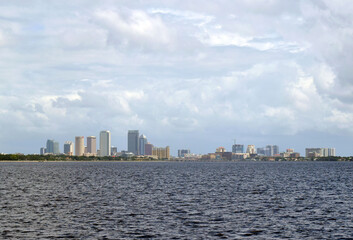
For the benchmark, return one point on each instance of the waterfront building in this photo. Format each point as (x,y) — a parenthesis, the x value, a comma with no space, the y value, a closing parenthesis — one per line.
(50,146)
(290,154)
(238,148)
(43,151)
(56,148)
(161,153)
(148,149)
(261,151)
(275,150)
(251,149)
(105,143)
(91,146)
(142,143)
(328,152)
(313,152)
(320,152)
(79,145)
(133,141)
(240,156)
(68,148)
(220,150)
(270,150)
(113,151)
(183,152)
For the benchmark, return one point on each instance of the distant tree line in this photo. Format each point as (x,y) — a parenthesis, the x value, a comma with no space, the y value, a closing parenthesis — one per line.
(35,157)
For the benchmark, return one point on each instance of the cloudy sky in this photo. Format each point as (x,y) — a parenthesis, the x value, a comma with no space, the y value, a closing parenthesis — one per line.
(188,74)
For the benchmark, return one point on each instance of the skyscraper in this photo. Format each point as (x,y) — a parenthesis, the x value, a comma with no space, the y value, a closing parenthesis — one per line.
(133,141)
(275,149)
(92,145)
(105,143)
(43,151)
(238,148)
(56,148)
(79,145)
(68,148)
(50,146)
(271,150)
(148,149)
(142,142)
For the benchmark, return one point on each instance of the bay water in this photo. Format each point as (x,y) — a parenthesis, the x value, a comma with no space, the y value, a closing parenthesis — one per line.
(176,200)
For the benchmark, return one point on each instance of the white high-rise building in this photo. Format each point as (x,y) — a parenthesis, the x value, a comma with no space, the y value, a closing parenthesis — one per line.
(79,145)
(91,145)
(328,152)
(104,143)
(142,142)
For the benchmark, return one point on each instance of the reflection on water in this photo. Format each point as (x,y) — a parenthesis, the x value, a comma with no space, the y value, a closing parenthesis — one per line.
(176,200)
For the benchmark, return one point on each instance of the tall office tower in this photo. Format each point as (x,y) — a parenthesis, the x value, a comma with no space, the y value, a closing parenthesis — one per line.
(50,146)
(275,150)
(56,148)
(43,151)
(251,149)
(142,142)
(133,141)
(79,145)
(68,148)
(271,150)
(92,145)
(183,152)
(238,148)
(148,149)
(105,143)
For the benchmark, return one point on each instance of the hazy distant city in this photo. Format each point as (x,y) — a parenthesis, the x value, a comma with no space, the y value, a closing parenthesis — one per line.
(138,145)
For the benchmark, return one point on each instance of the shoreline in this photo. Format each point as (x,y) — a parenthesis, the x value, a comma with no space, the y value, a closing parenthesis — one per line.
(161,161)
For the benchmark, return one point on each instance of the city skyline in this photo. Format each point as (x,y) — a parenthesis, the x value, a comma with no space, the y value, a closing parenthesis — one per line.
(135,141)
(191,74)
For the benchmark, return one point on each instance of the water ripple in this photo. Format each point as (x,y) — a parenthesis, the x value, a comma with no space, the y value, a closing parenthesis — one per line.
(247,200)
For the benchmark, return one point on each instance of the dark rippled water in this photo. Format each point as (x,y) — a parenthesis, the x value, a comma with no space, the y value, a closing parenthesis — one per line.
(247,200)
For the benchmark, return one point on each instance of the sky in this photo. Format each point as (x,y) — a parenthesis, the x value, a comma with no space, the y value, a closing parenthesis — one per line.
(187,74)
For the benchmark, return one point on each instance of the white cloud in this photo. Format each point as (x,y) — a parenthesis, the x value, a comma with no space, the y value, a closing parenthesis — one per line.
(134,27)
(245,68)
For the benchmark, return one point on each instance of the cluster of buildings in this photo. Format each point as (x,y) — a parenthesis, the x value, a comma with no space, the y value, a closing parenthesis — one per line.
(270,151)
(320,152)
(137,146)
